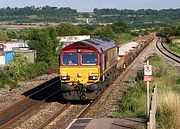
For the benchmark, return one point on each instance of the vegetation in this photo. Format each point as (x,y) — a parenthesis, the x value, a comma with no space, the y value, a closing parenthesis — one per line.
(174,45)
(7,35)
(45,42)
(141,18)
(133,102)
(171,36)
(39,14)
(124,37)
(20,69)
(118,31)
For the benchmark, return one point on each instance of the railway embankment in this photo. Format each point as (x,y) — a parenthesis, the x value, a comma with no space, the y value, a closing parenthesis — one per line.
(167,77)
(132,103)
(115,96)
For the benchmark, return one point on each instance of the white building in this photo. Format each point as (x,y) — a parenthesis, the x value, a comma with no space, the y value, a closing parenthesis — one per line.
(71,39)
(9,45)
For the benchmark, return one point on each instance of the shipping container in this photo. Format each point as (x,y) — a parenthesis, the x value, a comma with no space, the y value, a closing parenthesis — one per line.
(9,55)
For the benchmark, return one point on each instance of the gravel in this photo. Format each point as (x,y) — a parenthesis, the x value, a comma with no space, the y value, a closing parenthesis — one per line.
(64,119)
(112,96)
(11,96)
(103,108)
(38,116)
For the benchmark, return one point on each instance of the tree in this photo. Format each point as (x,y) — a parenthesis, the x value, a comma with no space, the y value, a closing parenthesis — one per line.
(119,27)
(67,29)
(105,32)
(12,34)
(3,35)
(45,43)
(17,67)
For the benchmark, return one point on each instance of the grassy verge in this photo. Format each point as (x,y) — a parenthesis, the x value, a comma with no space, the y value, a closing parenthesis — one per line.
(175,46)
(133,101)
(168,82)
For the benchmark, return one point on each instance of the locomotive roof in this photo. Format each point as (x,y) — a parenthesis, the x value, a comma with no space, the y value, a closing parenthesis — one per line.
(98,44)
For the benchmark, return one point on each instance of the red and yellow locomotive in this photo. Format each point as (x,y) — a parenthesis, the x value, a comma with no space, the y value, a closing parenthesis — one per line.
(87,67)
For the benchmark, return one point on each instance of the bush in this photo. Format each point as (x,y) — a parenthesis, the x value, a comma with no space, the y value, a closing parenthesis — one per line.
(20,69)
(140,75)
(17,67)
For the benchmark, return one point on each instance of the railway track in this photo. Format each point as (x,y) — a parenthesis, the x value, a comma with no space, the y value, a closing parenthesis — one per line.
(83,113)
(167,52)
(80,111)
(28,104)
(50,119)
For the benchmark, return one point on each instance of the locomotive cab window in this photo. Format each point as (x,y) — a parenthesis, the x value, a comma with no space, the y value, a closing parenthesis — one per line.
(70,59)
(89,59)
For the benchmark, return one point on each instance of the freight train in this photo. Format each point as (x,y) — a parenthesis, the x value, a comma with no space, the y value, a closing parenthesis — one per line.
(87,67)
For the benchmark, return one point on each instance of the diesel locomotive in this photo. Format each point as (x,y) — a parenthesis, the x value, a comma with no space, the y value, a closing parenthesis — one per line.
(87,67)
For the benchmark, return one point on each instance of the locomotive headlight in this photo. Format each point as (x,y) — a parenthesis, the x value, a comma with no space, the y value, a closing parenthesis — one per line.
(79,75)
(65,77)
(93,77)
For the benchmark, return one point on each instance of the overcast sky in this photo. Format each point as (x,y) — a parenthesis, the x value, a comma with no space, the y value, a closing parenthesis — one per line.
(89,5)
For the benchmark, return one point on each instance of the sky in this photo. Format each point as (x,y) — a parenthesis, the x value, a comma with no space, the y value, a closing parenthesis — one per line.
(89,5)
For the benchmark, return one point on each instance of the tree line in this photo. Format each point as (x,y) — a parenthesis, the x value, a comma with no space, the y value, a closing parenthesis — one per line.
(142,18)
(39,14)
(169,32)
(135,18)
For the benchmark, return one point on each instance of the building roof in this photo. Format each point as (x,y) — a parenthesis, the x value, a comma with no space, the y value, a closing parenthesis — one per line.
(11,42)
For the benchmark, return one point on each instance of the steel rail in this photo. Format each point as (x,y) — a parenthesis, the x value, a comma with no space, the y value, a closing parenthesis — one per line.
(25,99)
(169,50)
(54,116)
(171,56)
(28,103)
(84,112)
(36,105)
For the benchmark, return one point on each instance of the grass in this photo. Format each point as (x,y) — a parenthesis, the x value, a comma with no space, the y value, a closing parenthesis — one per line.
(167,80)
(124,37)
(175,46)
(168,109)
(133,103)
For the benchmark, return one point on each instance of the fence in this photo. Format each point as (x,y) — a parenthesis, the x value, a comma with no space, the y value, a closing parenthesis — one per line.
(153,107)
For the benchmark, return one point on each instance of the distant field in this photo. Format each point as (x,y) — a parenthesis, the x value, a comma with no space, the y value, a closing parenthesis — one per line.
(17,27)
(24,25)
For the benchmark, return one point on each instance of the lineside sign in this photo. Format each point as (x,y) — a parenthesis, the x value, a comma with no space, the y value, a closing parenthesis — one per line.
(147,70)
(147,78)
